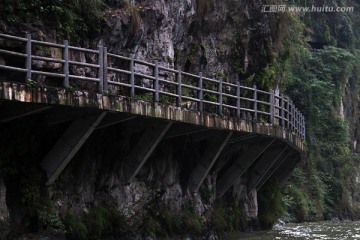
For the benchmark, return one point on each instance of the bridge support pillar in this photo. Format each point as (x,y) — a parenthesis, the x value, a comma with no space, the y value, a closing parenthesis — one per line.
(113,119)
(68,145)
(263,165)
(209,157)
(239,167)
(143,150)
(12,113)
(273,168)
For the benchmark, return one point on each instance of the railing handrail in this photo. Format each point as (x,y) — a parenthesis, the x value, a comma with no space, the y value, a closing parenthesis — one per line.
(215,93)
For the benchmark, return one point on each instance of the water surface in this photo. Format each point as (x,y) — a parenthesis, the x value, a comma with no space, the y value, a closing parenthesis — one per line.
(316,230)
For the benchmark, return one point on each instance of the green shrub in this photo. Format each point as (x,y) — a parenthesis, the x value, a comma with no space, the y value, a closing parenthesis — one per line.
(236,217)
(98,222)
(192,221)
(144,97)
(171,221)
(153,227)
(206,194)
(50,220)
(75,228)
(296,203)
(270,204)
(219,219)
(75,19)
(168,223)
(119,223)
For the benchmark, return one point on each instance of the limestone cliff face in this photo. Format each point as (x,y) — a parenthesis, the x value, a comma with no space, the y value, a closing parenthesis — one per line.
(227,39)
(349,111)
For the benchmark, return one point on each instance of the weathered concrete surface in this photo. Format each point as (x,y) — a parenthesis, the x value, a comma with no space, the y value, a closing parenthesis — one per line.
(43,95)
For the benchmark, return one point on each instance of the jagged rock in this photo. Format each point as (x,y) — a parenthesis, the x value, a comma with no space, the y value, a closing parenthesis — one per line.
(251,205)
(4,212)
(279,225)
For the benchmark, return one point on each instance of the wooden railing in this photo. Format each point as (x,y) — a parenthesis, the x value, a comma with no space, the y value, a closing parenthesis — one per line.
(126,76)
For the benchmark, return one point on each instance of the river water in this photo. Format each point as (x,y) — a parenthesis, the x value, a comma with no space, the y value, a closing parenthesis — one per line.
(316,230)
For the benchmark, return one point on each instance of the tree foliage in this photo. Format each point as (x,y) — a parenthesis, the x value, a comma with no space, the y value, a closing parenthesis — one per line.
(322,84)
(76,19)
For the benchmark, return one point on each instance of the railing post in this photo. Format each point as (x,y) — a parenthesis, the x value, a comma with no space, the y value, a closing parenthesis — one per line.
(179,92)
(304,124)
(296,120)
(105,85)
(272,106)
(238,112)
(28,56)
(255,103)
(292,117)
(132,77)
(304,134)
(288,113)
(300,124)
(101,69)
(156,83)
(295,116)
(282,111)
(66,63)
(220,100)
(200,93)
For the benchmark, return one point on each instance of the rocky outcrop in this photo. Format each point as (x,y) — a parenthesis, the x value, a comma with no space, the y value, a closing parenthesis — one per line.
(4,212)
(225,39)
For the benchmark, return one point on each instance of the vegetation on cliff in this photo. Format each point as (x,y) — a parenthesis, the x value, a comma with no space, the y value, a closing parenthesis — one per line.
(324,83)
(75,20)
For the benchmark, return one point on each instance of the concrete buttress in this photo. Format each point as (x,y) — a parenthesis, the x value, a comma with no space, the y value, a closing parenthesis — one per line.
(68,145)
